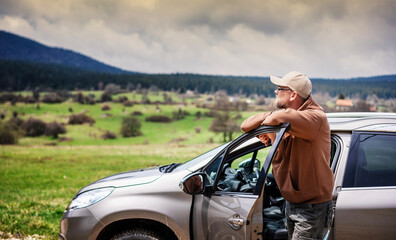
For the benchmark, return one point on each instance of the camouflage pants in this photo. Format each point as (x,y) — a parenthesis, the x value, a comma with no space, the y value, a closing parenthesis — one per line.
(308,221)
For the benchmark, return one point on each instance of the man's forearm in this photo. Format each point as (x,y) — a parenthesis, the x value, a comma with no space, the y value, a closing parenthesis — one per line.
(253,122)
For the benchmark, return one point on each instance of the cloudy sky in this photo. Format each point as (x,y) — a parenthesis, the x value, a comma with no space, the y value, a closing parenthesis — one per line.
(329,38)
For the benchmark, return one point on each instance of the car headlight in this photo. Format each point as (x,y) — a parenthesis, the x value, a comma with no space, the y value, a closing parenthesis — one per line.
(89,198)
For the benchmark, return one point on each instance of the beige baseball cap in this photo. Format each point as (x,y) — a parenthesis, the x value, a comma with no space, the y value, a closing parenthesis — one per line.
(296,81)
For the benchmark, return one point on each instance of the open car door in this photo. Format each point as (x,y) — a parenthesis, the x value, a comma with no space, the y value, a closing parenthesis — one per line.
(230,203)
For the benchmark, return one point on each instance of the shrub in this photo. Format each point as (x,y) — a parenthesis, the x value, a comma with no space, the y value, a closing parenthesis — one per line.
(128,103)
(34,127)
(198,115)
(7,97)
(54,129)
(52,98)
(90,100)
(137,113)
(109,135)
(106,107)
(106,97)
(158,118)
(211,113)
(8,135)
(80,119)
(121,99)
(63,94)
(80,98)
(28,99)
(15,123)
(180,114)
(130,127)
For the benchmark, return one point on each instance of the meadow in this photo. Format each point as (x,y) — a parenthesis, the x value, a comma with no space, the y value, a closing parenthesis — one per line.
(40,175)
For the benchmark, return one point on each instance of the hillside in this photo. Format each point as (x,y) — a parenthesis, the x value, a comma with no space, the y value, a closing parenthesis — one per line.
(21,75)
(14,47)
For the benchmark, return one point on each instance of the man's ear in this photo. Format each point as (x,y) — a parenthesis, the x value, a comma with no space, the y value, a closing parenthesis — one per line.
(293,96)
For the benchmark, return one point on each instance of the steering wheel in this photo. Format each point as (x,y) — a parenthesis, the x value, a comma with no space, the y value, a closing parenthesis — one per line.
(241,175)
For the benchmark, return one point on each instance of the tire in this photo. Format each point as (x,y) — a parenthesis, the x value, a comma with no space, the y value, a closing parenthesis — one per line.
(138,234)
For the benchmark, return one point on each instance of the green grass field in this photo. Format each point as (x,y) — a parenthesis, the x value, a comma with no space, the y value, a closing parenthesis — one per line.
(39,181)
(39,176)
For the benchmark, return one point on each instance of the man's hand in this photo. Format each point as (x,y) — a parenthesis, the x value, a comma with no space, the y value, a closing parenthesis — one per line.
(264,138)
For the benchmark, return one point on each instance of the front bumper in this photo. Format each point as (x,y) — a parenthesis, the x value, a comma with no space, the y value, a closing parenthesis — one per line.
(79,224)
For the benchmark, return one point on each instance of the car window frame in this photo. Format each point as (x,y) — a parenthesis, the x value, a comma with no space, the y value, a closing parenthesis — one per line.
(280,130)
(338,147)
(352,160)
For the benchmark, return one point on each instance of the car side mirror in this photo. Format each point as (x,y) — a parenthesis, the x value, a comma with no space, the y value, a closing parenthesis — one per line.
(193,184)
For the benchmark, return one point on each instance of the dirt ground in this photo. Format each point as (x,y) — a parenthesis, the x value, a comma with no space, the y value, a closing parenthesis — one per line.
(8,236)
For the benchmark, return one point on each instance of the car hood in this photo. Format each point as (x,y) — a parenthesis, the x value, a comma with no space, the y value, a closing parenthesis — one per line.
(136,177)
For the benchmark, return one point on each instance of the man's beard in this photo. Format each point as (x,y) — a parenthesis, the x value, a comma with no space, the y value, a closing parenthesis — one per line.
(280,105)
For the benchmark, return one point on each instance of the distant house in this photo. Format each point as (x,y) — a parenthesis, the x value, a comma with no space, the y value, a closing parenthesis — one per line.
(344,104)
(373,109)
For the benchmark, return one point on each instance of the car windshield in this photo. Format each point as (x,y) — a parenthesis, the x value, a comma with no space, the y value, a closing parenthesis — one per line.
(201,160)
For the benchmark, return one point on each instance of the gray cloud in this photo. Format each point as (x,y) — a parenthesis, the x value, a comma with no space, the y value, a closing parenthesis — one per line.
(252,37)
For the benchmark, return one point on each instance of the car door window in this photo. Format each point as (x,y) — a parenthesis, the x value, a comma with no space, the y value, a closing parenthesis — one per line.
(371,161)
(239,171)
(212,169)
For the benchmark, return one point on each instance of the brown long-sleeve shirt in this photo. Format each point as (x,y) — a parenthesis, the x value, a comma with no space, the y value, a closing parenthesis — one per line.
(301,163)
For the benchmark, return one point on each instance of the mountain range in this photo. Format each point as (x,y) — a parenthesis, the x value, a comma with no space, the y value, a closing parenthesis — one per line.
(14,47)
(26,64)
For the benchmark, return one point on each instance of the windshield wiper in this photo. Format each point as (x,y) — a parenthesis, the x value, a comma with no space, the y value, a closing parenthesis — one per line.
(169,168)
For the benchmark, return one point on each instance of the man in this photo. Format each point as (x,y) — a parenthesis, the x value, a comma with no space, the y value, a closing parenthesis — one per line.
(301,163)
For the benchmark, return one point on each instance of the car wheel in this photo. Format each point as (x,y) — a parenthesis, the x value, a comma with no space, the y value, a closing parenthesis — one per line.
(137,234)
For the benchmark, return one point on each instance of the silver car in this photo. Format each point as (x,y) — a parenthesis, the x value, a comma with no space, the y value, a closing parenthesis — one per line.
(230,193)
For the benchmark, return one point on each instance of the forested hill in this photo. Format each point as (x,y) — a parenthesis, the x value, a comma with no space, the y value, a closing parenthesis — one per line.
(21,75)
(26,64)
(14,47)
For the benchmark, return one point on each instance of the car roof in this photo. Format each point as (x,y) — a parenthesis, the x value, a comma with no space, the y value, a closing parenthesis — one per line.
(362,121)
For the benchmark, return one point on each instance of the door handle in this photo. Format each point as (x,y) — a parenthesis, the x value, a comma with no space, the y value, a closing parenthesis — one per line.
(236,222)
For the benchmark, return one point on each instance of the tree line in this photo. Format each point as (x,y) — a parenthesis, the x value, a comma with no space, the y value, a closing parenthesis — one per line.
(20,75)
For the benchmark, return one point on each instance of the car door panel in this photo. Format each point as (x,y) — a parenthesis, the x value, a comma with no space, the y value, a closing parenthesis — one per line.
(218,208)
(366,214)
